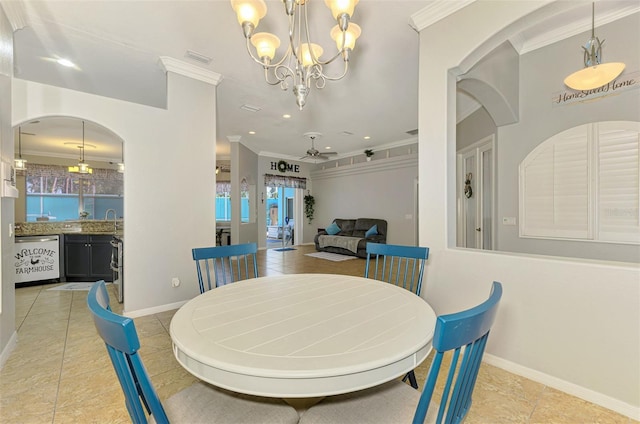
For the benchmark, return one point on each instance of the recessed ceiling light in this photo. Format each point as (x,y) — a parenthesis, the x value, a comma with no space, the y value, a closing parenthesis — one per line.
(286,116)
(65,62)
(366,137)
(328,148)
(252,132)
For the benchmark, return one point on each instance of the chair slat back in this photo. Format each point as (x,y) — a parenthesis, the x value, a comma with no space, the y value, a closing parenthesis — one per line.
(220,265)
(465,334)
(120,336)
(402,266)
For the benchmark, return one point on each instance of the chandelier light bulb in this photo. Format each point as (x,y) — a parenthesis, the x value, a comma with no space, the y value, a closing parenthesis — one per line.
(265,44)
(350,36)
(307,55)
(249,11)
(341,7)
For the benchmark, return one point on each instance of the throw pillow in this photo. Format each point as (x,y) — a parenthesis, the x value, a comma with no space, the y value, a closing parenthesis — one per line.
(373,231)
(332,229)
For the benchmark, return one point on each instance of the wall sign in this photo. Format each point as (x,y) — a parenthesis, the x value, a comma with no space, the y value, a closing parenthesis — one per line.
(625,82)
(283,167)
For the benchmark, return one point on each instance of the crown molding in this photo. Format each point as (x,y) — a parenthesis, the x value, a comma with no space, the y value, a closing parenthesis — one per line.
(170,64)
(574,28)
(15,14)
(434,12)
(387,164)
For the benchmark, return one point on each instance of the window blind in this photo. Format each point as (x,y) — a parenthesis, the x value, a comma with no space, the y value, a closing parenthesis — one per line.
(583,183)
(619,185)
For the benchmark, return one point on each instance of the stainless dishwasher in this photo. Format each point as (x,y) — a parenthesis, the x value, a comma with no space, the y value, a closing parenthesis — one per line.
(117,265)
(36,258)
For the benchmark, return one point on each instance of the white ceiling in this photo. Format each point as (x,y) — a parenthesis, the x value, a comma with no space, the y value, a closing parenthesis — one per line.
(116,46)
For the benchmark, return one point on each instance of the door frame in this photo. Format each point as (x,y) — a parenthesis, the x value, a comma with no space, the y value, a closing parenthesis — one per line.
(478,147)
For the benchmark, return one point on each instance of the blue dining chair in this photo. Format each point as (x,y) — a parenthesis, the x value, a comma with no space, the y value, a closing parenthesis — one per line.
(463,335)
(395,264)
(198,403)
(399,265)
(220,265)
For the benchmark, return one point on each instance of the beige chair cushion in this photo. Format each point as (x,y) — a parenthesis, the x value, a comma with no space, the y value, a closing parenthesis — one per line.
(391,403)
(202,403)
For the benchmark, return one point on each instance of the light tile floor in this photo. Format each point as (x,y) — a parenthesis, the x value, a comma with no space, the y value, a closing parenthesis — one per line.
(60,372)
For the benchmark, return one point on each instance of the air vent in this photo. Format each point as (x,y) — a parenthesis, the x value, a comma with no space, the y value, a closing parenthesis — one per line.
(413,132)
(250,108)
(198,57)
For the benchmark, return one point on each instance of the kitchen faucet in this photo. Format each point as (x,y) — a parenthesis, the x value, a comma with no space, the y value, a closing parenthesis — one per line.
(115,219)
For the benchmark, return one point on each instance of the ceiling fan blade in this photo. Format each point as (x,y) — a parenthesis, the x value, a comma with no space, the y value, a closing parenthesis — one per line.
(330,153)
(304,157)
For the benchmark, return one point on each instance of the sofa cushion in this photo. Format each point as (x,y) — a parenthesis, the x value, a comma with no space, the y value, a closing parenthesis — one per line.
(332,229)
(371,231)
(346,226)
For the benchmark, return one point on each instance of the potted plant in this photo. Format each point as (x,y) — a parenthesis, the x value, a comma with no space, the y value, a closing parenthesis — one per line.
(309,202)
(368,153)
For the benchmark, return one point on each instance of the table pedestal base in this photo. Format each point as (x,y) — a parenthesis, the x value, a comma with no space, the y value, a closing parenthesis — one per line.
(302,404)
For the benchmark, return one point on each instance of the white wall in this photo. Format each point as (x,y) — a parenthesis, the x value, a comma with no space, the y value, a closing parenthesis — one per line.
(169,183)
(381,189)
(574,325)
(7,285)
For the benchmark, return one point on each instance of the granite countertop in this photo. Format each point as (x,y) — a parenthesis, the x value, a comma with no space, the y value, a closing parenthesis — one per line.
(88,227)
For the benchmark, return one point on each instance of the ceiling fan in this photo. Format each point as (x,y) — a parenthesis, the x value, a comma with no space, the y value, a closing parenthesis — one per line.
(313,153)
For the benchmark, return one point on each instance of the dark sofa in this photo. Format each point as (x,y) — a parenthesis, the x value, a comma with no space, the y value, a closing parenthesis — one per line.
(354,228)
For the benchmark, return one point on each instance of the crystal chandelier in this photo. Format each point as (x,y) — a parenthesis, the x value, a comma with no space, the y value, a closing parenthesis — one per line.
(595,74)
(301,62)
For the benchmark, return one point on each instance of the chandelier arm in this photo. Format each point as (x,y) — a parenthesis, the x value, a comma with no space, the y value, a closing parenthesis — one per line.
(313,57)
(261,63)
(346,68)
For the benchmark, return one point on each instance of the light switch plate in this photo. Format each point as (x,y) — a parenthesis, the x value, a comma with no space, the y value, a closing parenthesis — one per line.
(509,220)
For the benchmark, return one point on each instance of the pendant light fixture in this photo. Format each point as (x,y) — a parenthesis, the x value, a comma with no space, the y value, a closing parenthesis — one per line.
(595,74)
(301,63)
(19,163)
(121,163)
(83,167)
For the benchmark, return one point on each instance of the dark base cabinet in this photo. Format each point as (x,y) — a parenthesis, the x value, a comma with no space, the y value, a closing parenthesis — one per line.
(87,257)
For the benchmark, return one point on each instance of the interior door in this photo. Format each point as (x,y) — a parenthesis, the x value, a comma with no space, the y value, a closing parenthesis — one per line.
(475,199)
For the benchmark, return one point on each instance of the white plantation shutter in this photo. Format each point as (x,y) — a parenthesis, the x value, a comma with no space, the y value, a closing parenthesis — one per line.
(583,183)
(619,185)
(554,182)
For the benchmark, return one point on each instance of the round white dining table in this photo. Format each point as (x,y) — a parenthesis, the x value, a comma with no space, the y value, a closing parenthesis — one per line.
(302,335)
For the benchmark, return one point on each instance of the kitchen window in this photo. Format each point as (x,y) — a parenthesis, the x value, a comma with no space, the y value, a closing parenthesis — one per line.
(55,194)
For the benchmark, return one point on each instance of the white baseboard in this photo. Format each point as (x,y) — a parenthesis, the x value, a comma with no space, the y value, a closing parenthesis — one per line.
(6,352)
(565,386)
(154,310)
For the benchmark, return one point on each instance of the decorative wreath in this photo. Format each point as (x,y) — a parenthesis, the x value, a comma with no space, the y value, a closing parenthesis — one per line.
(282,166)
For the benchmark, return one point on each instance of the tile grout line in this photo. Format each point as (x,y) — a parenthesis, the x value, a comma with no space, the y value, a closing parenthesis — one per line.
(64,350)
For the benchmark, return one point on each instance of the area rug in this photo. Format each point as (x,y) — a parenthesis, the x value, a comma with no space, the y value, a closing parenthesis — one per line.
(74,286)
(284,249)
(330,256)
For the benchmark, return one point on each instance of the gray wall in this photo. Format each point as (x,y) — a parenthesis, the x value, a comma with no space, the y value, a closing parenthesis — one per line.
(474,128)
(540,119)
(382,188)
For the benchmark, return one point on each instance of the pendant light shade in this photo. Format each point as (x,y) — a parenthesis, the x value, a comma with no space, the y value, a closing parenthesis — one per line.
(595,74)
